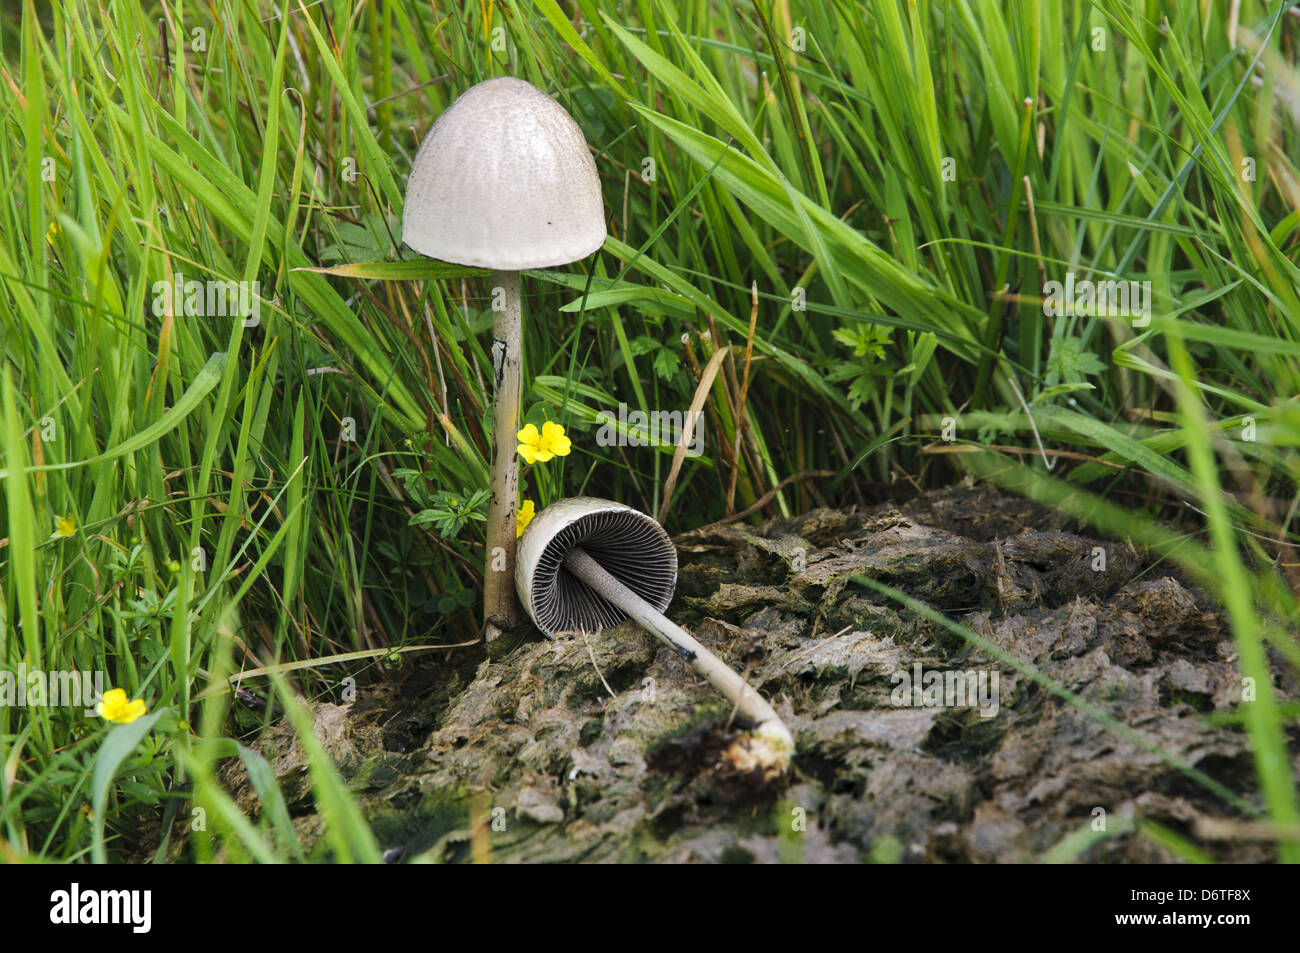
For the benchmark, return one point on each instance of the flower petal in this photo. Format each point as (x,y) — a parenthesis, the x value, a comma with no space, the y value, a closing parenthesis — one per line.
(132,711)
(553,439)
(523,516)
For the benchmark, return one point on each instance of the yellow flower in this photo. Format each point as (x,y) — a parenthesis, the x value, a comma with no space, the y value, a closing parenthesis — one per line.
(523,516)
(116,708)
(52,232)
(65,526)
(537,447)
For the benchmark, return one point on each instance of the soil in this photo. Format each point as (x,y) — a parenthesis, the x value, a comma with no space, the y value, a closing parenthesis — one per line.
(608,748)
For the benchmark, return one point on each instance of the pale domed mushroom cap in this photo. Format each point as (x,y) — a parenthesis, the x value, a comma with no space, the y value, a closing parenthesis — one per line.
(504,180)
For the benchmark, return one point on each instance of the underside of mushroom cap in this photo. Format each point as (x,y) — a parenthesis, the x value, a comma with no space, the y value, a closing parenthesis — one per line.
(504,180)
(629,545)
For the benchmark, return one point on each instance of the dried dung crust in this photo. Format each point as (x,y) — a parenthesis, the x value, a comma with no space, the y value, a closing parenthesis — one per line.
(535,747)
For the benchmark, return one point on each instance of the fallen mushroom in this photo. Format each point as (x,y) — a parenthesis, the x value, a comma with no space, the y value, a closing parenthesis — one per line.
(504,180)
(586,563)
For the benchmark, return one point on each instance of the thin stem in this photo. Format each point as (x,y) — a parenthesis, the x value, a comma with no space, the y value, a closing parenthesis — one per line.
(500,604)
(734,688)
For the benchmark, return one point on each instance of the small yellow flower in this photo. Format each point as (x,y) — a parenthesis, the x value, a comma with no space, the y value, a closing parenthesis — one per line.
(65,526)
(523,516)
(537,447)
(52,232)
(116,708)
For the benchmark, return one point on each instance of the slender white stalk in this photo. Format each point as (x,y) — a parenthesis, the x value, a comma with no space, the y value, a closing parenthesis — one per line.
(747,701)
(500,604)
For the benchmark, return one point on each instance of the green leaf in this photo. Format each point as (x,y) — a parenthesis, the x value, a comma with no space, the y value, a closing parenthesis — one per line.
(1051,393)
(1070,363)
(206,379)
(118,744)
(262,777)
(425,270)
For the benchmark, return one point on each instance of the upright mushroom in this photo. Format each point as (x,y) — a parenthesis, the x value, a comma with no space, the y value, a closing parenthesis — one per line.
(504,180)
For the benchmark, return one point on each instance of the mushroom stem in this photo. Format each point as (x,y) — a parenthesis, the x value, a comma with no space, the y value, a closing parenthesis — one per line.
(500,604)
(748,702)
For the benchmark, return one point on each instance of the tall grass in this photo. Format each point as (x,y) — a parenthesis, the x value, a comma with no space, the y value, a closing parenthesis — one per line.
(900,180)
